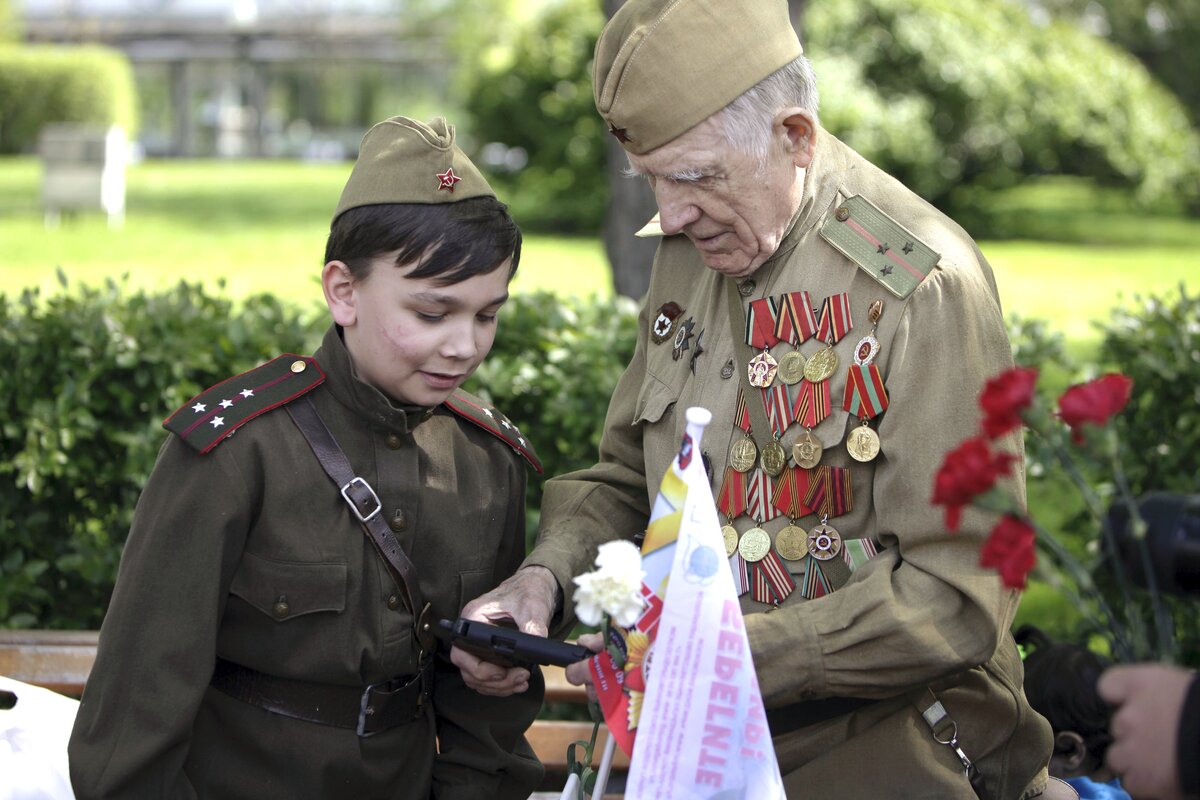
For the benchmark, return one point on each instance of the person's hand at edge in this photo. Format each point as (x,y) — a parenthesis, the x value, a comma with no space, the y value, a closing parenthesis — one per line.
(1147,700)
(527,599)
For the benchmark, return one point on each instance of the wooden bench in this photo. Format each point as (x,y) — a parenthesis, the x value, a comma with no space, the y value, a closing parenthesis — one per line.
(61,661)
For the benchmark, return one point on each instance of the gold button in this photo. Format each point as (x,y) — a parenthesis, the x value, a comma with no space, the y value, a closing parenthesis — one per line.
(281,607)
(298,366)
(393,602)
(398,522)
(393,441)
(842,214)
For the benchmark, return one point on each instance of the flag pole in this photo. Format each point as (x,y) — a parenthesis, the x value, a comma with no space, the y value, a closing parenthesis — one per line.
(602,771)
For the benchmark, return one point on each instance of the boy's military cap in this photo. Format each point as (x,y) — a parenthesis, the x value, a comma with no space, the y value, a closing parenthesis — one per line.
(402,160)
(664,66)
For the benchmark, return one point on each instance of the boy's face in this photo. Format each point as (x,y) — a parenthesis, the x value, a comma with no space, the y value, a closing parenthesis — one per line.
(414,339)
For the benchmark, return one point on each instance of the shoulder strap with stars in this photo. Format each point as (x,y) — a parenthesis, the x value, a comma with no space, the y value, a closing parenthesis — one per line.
(879,245)
(486,416)
(215,413)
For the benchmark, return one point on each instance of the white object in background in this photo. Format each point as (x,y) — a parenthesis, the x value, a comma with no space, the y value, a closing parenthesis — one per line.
(33,743)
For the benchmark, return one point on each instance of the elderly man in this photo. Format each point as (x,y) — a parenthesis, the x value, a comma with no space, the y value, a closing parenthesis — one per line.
(840,329)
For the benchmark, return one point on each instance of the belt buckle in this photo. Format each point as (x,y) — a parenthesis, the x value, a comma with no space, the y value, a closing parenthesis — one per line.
(366,710)
(359,486)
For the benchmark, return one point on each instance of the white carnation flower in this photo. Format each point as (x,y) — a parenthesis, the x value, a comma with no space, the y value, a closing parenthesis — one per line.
(614,588)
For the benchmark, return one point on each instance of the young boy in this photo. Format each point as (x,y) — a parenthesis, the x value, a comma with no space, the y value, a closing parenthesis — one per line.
(269,631)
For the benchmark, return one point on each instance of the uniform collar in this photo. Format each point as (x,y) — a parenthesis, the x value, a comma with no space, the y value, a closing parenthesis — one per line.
(359,396)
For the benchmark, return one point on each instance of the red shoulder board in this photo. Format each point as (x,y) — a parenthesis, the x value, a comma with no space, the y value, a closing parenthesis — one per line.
(217,412)
(486,416)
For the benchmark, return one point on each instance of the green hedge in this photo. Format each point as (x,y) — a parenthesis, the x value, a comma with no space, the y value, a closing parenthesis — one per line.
(41,84)
(91,373)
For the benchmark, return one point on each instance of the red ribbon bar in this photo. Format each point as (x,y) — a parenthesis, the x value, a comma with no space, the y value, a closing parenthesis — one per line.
(758,497)
(790,488)
(812,403)
(829,491)
(835,320)
(778,405)
(760,323)
(732,497)
(772,582)
(797,322)
(866,395)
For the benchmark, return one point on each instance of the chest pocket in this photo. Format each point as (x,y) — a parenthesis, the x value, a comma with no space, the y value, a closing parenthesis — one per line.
(654,399)
(284,590)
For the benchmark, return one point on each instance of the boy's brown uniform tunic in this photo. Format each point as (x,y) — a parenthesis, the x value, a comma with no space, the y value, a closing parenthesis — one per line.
(248,553)
(920,613)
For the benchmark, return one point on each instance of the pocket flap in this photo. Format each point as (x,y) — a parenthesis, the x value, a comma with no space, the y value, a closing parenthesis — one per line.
(286,589)
(653,400)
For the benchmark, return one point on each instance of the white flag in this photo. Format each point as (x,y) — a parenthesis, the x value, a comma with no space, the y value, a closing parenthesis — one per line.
(703,732)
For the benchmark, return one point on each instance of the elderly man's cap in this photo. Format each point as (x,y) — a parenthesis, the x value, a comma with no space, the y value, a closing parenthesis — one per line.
(402,160)
(664,66)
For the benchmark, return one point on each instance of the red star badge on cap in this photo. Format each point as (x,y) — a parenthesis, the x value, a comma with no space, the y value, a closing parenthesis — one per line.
(447,180)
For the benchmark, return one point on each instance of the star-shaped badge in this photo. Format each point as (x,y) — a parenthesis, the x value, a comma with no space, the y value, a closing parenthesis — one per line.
(447,180)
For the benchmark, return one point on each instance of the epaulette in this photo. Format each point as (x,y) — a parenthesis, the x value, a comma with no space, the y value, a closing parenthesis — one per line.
(879,245)
(217,412)
(487,416)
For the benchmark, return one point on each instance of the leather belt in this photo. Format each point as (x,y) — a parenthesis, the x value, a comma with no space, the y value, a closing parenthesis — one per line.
(795,716)
(367,711)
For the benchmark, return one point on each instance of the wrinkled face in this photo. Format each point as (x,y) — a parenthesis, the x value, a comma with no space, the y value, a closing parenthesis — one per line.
(733,209)
(414,339)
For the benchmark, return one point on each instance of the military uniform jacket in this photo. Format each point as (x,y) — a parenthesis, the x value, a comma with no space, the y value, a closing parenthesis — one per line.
(249,553)
(921,612)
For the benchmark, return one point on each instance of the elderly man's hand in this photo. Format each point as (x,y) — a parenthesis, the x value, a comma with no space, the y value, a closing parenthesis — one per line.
(1148,700)
(528,598)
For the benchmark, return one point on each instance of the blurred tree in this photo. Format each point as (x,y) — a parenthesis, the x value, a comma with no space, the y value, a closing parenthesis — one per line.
(946,94)
(1163,34)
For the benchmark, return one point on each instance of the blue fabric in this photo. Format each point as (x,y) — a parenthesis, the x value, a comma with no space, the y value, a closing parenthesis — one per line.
(1090,790)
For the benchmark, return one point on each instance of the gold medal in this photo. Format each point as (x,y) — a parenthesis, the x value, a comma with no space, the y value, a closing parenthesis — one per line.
(773,459)
(761,370)
(792,543)
(821,366)
(754,545)
(862,443)
(743,454)
(806,452)
(731,540)
(824,542)
(791,367)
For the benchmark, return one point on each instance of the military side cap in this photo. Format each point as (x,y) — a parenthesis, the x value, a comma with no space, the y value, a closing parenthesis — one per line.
(402,160)
(879,245)
(488,417)
(217,412)
(663,66)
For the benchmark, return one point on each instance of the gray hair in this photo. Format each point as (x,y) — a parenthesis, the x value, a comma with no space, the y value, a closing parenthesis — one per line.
(747,120)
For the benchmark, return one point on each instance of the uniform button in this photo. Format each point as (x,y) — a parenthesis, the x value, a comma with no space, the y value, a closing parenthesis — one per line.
(842,214)
(393,602)
(399,521)
(746,287)
(393,441)
(298,366)
(427,415)
(727,370)
(281,608)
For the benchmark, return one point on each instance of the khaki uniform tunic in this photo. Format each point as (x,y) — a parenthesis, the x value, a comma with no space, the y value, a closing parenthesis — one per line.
(249,553)
(922,612)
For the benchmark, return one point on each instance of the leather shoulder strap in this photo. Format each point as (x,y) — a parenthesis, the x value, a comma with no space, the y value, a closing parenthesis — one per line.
(211,416)
(366,508)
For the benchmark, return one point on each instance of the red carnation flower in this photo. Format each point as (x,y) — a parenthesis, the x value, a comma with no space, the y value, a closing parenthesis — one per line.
(1010,549)
(967,472)
(1094,402)
(1003,399)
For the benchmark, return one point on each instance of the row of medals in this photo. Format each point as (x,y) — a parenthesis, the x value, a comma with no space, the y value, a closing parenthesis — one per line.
(793,542)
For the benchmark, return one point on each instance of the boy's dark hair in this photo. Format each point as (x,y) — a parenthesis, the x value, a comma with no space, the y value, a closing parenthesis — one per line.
(457,240)
(1060,684)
